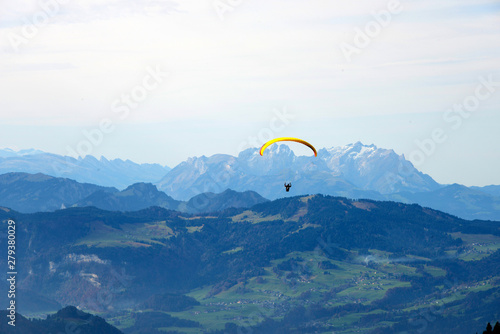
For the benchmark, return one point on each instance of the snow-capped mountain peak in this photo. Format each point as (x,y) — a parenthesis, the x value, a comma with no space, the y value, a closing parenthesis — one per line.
(333,171)
(373,168)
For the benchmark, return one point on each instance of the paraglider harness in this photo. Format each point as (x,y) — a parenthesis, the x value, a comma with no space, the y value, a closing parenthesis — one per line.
(287,186)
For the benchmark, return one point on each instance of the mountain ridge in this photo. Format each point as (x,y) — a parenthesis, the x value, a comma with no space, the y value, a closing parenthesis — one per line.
(354,171)
(29,193)
(39,192)
(116,173)
(342,171)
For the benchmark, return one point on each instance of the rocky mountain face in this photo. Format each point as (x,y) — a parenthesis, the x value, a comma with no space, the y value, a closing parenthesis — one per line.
(353,171)
(346,171)
(372,168)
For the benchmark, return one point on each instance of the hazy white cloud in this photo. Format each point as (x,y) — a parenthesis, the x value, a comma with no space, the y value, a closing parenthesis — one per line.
(71,11)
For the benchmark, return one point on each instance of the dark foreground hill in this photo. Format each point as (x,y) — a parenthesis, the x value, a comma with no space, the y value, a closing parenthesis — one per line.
(293,265)
(67,320)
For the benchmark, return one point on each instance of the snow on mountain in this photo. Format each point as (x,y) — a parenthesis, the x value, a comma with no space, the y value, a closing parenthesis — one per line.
(352,170)
(372,168)
(199,175)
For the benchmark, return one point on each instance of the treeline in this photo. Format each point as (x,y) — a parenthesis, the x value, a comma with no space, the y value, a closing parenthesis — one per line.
(492,330)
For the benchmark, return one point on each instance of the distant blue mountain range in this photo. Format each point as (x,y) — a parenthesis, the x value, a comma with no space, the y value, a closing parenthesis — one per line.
(29,193)
(353,171)
(109,173)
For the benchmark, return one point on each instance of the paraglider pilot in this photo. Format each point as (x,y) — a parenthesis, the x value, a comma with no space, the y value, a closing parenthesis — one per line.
(287,186)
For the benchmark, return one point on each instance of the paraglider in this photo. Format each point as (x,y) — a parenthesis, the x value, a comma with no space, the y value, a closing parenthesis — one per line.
(287,186)
(272,141)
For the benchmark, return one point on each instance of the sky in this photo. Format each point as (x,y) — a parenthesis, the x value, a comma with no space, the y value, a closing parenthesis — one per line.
(161,81)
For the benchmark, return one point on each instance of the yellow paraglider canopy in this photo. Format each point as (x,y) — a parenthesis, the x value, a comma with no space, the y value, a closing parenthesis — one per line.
(263,148)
